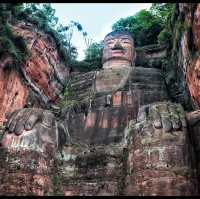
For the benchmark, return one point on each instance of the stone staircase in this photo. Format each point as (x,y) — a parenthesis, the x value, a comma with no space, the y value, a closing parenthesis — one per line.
(82,85)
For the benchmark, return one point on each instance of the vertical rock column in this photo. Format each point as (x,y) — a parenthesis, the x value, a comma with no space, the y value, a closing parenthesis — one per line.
(160,159)
(194,124)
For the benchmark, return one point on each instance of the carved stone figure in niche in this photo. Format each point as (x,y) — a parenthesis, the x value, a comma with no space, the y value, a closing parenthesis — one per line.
(122,92)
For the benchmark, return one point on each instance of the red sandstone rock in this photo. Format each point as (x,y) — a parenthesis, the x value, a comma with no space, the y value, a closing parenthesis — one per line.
(196,27)
(13,93)
(42,68)
(193,80)
(160,163)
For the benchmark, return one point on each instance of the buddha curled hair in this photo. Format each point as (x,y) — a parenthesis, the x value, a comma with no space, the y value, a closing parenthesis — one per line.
(119,33)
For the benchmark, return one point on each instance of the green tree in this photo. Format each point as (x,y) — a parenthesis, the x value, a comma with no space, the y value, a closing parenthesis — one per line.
(49,12)
(162,11)
(93,55)
(143,26)
(146,25)
(43,16)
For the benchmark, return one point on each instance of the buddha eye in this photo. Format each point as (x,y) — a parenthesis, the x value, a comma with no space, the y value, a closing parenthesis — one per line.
(126,42)
(109,42)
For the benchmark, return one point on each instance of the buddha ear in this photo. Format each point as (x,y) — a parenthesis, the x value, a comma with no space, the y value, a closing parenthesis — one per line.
(134,58)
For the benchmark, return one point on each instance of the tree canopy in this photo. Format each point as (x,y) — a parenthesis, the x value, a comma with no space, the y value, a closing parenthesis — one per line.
(146,25)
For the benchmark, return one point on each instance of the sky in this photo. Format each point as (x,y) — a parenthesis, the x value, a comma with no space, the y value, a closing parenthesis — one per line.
(96,18)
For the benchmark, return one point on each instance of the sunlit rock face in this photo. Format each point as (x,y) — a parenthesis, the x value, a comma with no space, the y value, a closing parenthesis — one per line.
(44,67)
(43,73)
(188,51)
(193,67)
(118,50)
(13,93)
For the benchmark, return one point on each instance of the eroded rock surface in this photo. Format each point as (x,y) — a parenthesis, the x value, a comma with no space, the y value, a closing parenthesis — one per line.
(13,93)
(41,78)
(160,160)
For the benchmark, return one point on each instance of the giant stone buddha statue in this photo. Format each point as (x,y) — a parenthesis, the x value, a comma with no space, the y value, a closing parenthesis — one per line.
(118,97)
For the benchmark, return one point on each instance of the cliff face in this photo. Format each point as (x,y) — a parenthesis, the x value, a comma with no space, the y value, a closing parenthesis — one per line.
(114,147)
(41,77)
(13,93)
(188,48)
(193,77)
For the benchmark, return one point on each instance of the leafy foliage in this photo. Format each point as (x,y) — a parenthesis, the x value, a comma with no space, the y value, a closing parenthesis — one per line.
(92,60)
(145,26)
(43,17)
(10,44)
(162,11)
(68,100)
(93,55)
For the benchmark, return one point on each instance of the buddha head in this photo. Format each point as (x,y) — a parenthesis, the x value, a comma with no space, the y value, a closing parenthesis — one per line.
(118,50)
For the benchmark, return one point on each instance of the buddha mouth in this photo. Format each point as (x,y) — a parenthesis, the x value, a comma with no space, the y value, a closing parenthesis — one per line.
(118,51)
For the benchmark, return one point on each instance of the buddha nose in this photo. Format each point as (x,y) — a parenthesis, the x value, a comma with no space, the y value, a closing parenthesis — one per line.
(117,46)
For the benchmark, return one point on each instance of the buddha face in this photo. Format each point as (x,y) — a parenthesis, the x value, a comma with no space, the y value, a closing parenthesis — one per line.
(118,50)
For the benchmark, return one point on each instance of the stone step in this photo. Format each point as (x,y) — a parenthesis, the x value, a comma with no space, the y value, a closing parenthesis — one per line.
(147,86)
(85,85)
(147,71)
(75,81)
(82,76)
(147,80)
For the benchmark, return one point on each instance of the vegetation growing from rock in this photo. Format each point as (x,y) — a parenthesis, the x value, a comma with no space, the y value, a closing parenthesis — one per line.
(43,17)
(176,26)
(68,100)
(11,46)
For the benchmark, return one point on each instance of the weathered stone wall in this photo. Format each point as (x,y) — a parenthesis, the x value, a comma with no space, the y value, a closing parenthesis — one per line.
(160,162)
(91,170)
(25,173)
(150,56)
(13,93)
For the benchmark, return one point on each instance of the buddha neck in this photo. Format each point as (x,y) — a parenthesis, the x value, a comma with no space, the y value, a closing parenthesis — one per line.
(116,63)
